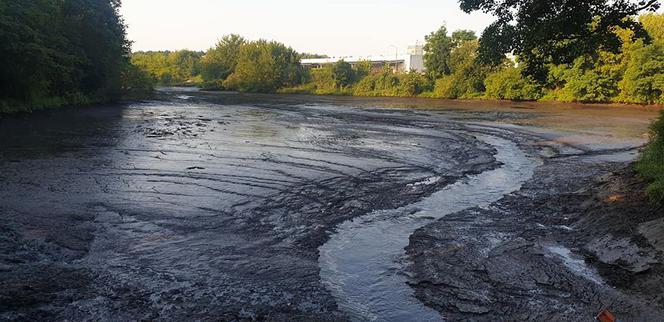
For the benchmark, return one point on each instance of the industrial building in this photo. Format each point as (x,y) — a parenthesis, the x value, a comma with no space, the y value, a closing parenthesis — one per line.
(413,60)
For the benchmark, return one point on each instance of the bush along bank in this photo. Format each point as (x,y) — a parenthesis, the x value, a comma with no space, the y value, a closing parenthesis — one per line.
(58,53)
(651,164)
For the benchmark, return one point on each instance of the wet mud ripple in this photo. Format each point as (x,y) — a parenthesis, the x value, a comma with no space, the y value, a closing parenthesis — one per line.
(185,209)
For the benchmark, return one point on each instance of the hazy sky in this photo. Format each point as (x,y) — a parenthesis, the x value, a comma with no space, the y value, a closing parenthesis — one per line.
(333,27)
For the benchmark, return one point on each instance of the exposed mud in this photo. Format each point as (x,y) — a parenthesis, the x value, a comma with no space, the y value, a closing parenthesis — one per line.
(563,248)
(184,209)
(213,207)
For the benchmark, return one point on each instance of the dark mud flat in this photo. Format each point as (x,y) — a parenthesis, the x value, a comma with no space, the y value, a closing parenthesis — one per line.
(202,208)
(579,237)
(213,207)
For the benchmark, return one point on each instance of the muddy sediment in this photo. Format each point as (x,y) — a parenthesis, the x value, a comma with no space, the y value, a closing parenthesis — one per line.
(213,207)
(572,242)
(190,209)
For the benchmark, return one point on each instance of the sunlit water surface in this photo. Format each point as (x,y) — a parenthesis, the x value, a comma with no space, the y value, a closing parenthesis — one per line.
(363,263)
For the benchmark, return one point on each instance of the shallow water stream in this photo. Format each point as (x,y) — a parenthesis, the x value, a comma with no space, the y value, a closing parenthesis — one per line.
(363,263)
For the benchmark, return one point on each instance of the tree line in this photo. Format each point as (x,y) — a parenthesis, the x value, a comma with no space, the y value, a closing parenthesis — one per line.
(55,53)
(633,72)
(75,52)
(234,63)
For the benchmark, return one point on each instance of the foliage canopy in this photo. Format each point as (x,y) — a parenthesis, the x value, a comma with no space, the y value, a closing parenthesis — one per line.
(555,31)
(60,52)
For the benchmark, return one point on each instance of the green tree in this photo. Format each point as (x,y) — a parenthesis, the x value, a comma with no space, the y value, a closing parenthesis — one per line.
(467,74)
(169,68)
(557,31)
(311,56)
(343,74)
(413,84)
(509,84)
(461,36)
(136,82)
(643,81)
(220,62)
(651,163)
(323,80)
(654,25)
(61,52)
(265,66)
(388,83)
(588,79)
(437,51)
(362,69)
(186,65)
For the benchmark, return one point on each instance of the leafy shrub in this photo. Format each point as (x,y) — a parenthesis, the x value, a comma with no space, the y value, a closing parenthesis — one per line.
(413,84)
(220,61)
(467,76)
(587,80)
(643,82)
(265,67)
(136,82)
(651,164)
(510,84)
(57,53)
(388,83)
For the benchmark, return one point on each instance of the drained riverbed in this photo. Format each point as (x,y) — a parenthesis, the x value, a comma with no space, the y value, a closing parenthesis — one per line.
(203,206)
(362,263)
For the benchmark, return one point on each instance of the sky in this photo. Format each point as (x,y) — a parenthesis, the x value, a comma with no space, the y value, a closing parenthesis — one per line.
(332,27)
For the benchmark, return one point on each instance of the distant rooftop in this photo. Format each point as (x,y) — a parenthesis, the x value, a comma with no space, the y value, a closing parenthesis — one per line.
(412,60)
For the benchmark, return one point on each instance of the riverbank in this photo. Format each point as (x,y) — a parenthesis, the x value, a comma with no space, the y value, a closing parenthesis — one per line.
(429,101)
(579,237)
(13,107)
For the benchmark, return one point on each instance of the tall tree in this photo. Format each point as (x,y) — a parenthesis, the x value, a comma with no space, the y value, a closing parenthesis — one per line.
(61,52)
(437,50)
(555,31)
(343,74)
(220,62)
(461,36)
(265,66)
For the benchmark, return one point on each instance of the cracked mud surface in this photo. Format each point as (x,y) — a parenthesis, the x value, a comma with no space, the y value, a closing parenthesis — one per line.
(213,207)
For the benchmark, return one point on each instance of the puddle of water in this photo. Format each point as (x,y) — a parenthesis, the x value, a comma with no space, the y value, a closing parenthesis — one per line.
(362,264)
(575,264)
(426,182)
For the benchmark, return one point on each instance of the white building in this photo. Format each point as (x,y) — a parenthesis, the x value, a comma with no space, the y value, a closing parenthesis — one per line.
(413,60)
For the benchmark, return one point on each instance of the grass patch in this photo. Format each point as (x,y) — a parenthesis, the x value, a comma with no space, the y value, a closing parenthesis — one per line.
(651,164)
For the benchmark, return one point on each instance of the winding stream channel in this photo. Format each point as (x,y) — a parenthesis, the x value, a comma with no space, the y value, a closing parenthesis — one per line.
(363,262)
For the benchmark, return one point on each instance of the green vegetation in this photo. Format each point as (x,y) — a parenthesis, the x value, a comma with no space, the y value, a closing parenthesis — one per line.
(546,33)
(581,62)
(56,53)
(180,67)
(265,66)
(634,73)
(509,84)
(651,164)
(438,49)
(388,83)
(220,61)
